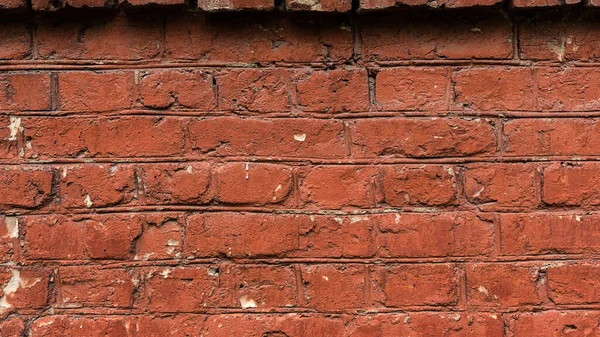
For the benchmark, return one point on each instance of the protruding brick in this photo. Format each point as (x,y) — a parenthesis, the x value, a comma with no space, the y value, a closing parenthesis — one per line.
(334,287)
(572,184)
(512,88)
(419,186)
(550,233)
(404,137)
(411,89)
(319,5)
(177,88)
(501,185)
(133,136)
(254,184)
(24,188)
(235,5)
(339,90)
(339,186)
(97,185)
(231,136)
(502,285)
(406,285)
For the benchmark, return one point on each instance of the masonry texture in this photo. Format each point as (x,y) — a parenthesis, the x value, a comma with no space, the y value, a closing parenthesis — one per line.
(299,168)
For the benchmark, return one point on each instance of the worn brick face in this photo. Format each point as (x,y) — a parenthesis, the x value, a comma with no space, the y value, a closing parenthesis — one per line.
(299,168)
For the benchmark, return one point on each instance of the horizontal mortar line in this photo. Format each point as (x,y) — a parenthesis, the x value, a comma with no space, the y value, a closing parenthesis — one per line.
(298,161)
(300,210)
(366,261)
(303,114)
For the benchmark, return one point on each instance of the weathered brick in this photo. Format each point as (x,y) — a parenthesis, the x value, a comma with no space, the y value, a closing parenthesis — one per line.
(176,183)
(24,188)
(333,287)
(319,5)
(512,89)
(501,185)
(97,185)
(25,91)
(570,283)
(551,137)
(14,326)
(254,90)
(569,89)
(23,288)
(47,5)
(93,326)
(555,323)
(434,235)
(541,233)
(88,91)
(254,184)
(406,285)
(419,186)
(338,186)
(83,286)
(385,38)
(275,39)
(293,137)
(571,184)
(235,5)
(133,136)
(542,3)
(338,90)
(411,89)
(15,40)
(9,238)
(502,285)
(405,137)
(177,88)
(161,238)
(119,37)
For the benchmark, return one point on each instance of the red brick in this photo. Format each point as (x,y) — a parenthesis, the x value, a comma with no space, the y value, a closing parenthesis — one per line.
(319,5)
(182,325)
(558,40)
(293,137)
(406,285)
(176,183)
(263,286)
(570,283)
(177,88)
(276,39)
(542,3)
(92,326)
(104,137)
(10,137)
(338,186)
(555,323)
(162,235)
(501,185)
(254,184)
(88,287)
(154,3)
(97,185)
(411,89)
(23,288)
(502,285)
(235,5)
(122,37)
(12,327)
(434,235)
(281,235)
(15,38)
(569,89)
(404,137)
(102,237)
(333,287)
(541,233)
(383,4)
(260,90)
(571,184)
(25,91)
(24,188)
(419,186)
(9,238)
(338,90)
(512,88)
(231,234)
(49,5)
(552,137)
(417,324)
(421,37)
(88,91)
(13,4)
(292,325)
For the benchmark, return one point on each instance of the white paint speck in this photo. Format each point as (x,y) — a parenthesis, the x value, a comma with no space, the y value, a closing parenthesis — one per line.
(300,137)
(12,226)
(247,302)
(88,201)
(14,127)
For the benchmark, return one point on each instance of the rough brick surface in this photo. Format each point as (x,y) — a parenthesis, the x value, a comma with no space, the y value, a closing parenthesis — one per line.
(374,171)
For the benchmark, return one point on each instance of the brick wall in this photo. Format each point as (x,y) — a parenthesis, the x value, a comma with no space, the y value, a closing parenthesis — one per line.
(397,173)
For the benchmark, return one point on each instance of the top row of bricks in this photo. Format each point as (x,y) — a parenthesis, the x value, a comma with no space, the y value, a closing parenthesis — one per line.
(271,5)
